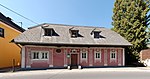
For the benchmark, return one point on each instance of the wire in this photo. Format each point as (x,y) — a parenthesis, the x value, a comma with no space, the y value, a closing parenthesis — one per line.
(18,14)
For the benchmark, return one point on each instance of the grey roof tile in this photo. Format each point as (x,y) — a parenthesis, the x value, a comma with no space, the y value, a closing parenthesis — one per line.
(36,35)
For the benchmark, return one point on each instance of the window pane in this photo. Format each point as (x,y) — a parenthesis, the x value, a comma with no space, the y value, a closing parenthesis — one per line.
(74,33)
(37,55)
(46,56)
(42,55)
(83,55)
(34,55)
(113,55)
(1,32)
(97,55)
(48,32)
(96,34)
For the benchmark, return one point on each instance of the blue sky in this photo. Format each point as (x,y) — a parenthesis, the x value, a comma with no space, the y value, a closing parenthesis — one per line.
(71,12)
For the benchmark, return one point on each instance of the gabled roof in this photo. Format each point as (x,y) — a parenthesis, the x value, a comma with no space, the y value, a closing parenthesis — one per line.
(8,21)
(35,35)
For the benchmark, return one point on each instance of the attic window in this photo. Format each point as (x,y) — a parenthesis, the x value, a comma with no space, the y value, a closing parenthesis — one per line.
(96,34)
(48,32)
(74,33)
(1,32)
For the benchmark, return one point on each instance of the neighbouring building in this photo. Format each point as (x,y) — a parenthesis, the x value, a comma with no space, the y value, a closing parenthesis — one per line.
(145,57)
(9,52)
(59,46)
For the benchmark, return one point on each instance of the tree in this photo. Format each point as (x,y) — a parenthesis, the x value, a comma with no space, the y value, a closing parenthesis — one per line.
(149,34)
(131,20)
(148,21)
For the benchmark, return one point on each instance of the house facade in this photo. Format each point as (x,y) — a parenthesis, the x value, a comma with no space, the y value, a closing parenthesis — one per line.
(61,46)
(9,52)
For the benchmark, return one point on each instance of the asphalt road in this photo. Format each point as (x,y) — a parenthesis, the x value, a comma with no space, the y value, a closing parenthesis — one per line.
(76,74)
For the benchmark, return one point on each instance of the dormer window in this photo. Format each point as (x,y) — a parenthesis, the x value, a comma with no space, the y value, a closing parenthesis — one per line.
(1,32)
(48,32)
(96,34)
(74,33)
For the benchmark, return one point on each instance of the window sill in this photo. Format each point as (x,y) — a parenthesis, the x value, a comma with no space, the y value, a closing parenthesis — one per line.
(38,59)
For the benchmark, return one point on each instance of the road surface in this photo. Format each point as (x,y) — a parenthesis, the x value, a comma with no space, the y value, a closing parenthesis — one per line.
(77,74)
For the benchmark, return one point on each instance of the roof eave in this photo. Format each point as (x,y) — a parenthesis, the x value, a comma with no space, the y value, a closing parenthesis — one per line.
(64,44)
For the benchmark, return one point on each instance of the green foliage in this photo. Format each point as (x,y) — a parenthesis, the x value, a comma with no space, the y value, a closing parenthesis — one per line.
(148,34)
(131,20)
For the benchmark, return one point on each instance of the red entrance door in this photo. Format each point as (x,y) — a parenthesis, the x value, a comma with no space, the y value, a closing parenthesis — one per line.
(74,58)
